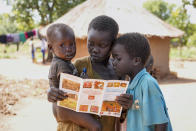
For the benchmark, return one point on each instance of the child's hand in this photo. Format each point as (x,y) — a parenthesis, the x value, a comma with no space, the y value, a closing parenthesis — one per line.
(54,95)
(125,100)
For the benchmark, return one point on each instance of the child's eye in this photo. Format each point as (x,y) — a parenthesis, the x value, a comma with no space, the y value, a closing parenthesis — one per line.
(103,45)
(91,43)
(71,44)
(62,45)
(118,59)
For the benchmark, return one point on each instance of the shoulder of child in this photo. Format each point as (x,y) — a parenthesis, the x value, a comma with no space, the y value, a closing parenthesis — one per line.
(80,63)
(63,67)
(81,60)
(149,84)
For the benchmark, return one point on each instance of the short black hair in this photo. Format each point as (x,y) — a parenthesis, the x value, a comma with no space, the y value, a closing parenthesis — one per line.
(105,23)
(136,45)
(58,29)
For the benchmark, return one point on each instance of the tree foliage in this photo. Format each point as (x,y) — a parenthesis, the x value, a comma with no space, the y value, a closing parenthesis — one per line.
(48,10)
(192,40)
(160,8)
(176,16)
(194,3)
(181,20)
(189,2)
(7,24)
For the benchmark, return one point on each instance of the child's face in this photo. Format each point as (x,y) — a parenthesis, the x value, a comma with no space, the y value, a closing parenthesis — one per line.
(99,44)
(65,47)
(123,64)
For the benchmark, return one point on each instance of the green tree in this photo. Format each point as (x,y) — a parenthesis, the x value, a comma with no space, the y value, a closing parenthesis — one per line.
(48,10)
(24,21)
(159,8)
(181,20)
(189,2)
(194,3)
(192,40)
(176,16)
(7,24)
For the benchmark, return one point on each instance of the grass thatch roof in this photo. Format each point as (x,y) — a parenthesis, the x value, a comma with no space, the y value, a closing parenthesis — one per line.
(130,17)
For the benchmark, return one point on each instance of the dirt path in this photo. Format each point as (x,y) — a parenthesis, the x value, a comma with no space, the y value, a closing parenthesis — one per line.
(180,95)
(23,69)
(34,113)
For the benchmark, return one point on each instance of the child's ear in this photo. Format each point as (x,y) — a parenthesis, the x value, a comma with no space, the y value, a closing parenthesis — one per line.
(137,61)
(49,46)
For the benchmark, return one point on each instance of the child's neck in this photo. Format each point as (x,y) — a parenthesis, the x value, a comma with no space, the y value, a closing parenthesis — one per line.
(62,59)
(135,72)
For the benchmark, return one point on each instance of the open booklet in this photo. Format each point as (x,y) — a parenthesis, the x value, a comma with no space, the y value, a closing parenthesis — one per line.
(94,96)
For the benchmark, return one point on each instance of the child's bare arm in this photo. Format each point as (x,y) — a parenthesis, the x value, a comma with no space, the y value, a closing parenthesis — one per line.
(161,127)
(81,119)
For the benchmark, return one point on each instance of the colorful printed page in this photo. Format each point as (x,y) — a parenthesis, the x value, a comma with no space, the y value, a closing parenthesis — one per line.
(93,96)
(72,85)
(113,88)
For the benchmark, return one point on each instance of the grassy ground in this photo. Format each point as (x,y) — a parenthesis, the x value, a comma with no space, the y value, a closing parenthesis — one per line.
(185,53)
(9,51)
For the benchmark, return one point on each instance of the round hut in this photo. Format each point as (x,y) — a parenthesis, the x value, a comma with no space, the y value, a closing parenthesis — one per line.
(131,17)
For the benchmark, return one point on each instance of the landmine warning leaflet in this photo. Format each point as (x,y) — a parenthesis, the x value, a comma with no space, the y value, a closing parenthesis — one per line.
(92,95)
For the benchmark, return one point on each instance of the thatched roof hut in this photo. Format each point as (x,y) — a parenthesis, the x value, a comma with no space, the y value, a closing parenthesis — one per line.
(131,18)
